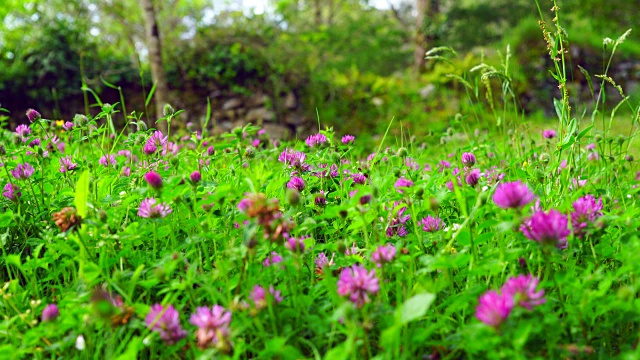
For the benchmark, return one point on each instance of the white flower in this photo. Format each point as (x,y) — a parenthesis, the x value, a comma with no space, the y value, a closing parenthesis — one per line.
(80,343)
(453,227)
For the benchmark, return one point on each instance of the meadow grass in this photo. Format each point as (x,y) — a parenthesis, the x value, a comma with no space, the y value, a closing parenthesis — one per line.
(517,241)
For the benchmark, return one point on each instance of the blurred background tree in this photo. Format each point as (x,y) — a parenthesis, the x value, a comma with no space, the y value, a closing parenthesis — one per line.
(357,63)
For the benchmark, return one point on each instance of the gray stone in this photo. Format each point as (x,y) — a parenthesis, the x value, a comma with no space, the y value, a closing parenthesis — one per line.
(255,115)
(295,119)
(225,125)
(427,91)
(277,131)
(290,101)
(256,100)
(232,104)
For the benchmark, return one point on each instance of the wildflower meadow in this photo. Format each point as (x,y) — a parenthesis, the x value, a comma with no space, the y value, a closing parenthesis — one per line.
(493,241)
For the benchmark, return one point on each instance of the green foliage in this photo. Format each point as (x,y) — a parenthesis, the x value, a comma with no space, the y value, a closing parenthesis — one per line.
(92,230)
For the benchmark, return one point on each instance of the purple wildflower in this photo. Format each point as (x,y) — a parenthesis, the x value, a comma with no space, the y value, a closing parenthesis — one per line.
(195,177)
(444,164)
(22,171)
(11,192)
(291,157)
(126,171)
(33,115)
(213,325)
(411,164)
(259,296)
(50,312)
(166,322)
(153,179)
(320,199)
(403,183)
(548,134)
(149,209)
(296,183)
(468,159)
(316,139)
(245,204)
(593,156)
(365,199)
(295,245)
(358,284)
(105,160)
(322,260)
(67,126)
(383,254)
(396,225)
(333,171)
(512,195)
(431,224)
(348,139)
(493,175)
(473,177)
(156,140)
(590,147)
(547,228)
(23,131)
(359,178)
(67,164)
(271,259)
(577,183)
(522,289)
(493,309)
(352,251)
(585,211)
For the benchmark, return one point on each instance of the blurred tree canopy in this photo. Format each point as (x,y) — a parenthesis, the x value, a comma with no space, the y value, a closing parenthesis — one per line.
(337,54)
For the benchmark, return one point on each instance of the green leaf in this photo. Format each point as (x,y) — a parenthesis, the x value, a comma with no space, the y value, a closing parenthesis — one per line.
(148,100)
(6,218)
(557,104)
(14,260)
(584,132)
(588,78)
(416,307)
(132,350)
(8,351)
(82,194)
(339,352)
(90,271)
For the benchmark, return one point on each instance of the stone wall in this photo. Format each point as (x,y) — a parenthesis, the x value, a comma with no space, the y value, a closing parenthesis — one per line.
(282,117)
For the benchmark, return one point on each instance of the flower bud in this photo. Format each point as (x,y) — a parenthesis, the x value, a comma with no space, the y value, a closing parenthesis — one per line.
(141,126)
(403,152)
(168,111)
(195,177)
(545,158)
(80,120)
(153,179)
(249,152)
(293,196)
(468,159)
(33,115)
(50,312)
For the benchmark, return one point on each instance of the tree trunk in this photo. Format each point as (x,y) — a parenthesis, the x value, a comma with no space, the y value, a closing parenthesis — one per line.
(318,12)
(428,10)
(418,55)
(154,45)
